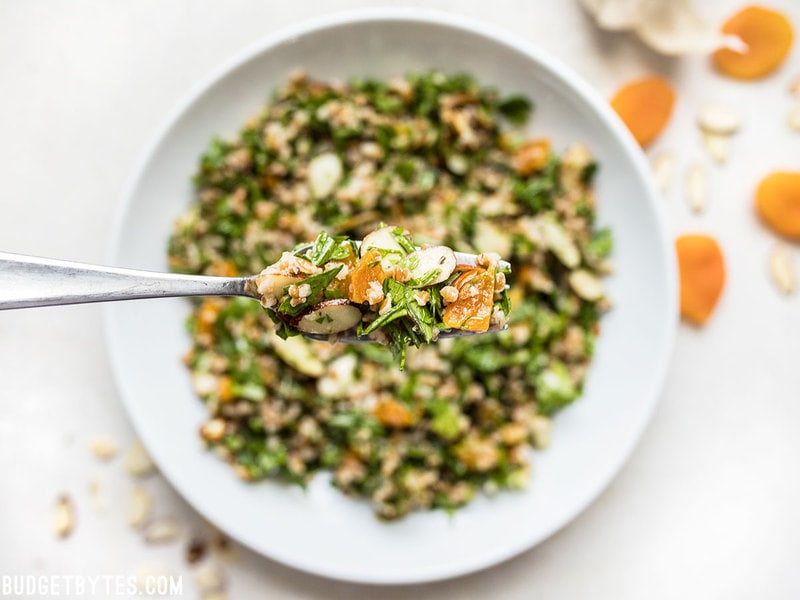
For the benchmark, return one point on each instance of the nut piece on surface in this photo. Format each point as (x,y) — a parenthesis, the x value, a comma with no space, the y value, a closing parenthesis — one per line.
(697,188)
(137,461)
(141,507)
(63,516)
(160,531)
(103,447)
(719,119)
(782,270)
(96,495)
(664,171)
(209,578)
(794,118)
(717,146)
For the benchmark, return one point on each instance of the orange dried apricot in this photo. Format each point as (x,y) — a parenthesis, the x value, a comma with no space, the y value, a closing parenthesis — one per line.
(225,388)
(778,203)
(645,106)
(768,36)
(472,310)
(532,156)
(207,315)
(368,269)
(392,413)
(702,276)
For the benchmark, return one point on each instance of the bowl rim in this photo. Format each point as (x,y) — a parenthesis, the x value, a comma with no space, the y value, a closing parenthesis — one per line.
(544,60)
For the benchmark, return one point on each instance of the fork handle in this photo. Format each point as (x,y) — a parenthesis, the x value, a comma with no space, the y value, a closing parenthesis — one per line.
(29,281)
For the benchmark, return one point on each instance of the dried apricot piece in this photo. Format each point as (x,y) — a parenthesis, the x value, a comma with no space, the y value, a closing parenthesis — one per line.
(392,413)
(702,276)
(645,106)
(768,36)
(368,270)
(778,203)
(532,156)
(473,309)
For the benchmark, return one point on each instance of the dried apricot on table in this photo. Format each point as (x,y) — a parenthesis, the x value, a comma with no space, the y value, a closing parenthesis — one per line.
(767,35)
(702,276)
(645,106)
(778,203)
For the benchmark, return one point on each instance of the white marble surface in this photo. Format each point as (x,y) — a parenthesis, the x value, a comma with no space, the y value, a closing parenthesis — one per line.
(707,507)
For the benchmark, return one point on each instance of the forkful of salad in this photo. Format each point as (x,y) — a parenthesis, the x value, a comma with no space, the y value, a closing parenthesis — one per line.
(381,289)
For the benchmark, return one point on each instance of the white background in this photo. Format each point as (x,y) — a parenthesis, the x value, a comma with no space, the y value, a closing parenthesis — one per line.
(709,504)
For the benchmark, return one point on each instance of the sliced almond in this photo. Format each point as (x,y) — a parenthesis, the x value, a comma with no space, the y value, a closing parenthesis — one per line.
(141,507)
(794,118)
(209,578)
(103,447)
(324,173)
(160,531)
(718,146)
(137,461)
(330,316)
(213,430)
(782,269)
(145,577)
(794,86)
(560,242)
(664,171)
(270,285)
(96,495)
(697,188)
(586,285)
(540,427)
(63,516)
(719,119)
(297,353)
(382,239)
(430,265)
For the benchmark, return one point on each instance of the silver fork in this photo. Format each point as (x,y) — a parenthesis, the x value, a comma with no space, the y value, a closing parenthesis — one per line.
(29,281)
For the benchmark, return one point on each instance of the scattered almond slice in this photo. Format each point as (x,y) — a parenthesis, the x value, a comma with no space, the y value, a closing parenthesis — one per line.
(103,447)
(664,171)
(717,146)
(697,188)
(324,173)
(160,531)
(146,575)
(63,516)
(209,578)
(794,86)
(782,270)
(794,118)
(137,461)
(141,507)
(96,495)
(719,119)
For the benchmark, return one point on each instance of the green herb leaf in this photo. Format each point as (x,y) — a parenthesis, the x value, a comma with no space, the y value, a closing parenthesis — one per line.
(516,109)
(318,284)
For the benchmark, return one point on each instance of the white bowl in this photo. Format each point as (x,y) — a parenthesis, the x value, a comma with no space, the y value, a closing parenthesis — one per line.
(319,530)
